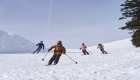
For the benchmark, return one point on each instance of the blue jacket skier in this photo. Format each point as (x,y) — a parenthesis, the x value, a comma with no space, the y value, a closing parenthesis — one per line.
(40,45)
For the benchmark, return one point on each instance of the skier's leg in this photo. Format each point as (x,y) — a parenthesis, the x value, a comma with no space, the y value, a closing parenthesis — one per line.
(102,51)
(56,59)
(52,59)
(105,52)
(38,50)
(84,52)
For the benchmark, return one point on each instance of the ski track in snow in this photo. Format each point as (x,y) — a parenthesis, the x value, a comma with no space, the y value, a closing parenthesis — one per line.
(122,63)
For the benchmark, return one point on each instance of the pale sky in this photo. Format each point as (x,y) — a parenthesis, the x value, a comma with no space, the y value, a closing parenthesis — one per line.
(71,21)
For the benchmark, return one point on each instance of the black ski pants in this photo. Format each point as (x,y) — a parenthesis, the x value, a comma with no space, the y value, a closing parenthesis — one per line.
(103,51)
(38,49)
(84,51)
(54,58)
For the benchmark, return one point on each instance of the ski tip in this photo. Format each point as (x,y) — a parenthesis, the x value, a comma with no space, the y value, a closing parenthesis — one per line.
(46,65)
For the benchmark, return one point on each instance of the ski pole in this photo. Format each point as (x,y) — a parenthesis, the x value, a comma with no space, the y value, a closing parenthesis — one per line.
(71,58)
(43,51)
(44,56)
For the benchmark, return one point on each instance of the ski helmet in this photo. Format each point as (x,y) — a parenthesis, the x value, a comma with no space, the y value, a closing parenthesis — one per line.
(59,42)
(41,41)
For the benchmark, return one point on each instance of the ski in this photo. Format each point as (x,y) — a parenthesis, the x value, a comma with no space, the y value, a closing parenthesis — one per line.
(49,65)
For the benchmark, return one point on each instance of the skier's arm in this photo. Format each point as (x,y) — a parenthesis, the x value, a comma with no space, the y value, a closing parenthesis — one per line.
(80,48)
(85,47)
(64,51)
(97,47)
(102,45)
(43,46)
(37,44)
(51,48)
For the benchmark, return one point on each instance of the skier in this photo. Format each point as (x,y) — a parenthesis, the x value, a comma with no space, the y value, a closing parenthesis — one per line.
(58,51)
(40,45)
(83,47)
(101,47)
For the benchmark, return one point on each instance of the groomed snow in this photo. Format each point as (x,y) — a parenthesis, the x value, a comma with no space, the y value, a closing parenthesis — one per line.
(122,63)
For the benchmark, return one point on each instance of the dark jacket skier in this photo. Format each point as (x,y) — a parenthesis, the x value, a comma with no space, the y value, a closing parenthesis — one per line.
(58,51)
(101,47)
(40,45)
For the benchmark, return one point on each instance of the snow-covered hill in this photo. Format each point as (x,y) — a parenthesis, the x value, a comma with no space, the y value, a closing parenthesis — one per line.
(122,63)
(12,43)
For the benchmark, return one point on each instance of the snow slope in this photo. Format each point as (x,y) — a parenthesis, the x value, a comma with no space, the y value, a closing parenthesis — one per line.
(12,43)
(122,63)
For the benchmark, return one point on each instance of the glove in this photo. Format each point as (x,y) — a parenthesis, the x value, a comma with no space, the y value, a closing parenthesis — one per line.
(48,50)
(80,48)
(64,53)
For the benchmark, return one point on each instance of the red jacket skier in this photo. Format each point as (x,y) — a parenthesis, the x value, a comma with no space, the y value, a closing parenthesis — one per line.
(83,47)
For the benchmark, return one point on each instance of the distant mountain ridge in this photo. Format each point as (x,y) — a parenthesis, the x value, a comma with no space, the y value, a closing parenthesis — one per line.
(12,43)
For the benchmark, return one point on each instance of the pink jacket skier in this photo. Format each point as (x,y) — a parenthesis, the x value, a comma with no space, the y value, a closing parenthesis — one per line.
(83,47)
